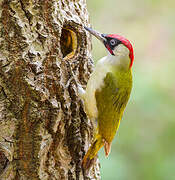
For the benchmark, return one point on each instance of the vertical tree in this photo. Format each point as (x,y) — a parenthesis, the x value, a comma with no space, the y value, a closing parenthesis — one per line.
(44,53)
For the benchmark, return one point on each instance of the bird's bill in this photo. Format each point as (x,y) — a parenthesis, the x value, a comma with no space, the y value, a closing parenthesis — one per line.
(96,34)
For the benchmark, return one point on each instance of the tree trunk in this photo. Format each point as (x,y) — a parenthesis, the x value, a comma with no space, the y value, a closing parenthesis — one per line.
(44,53)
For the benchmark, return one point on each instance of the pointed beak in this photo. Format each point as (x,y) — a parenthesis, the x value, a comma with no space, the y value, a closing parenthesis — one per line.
(98,35)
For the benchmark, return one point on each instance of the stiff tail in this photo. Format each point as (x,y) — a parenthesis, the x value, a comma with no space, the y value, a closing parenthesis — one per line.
(92,152)
(107,147)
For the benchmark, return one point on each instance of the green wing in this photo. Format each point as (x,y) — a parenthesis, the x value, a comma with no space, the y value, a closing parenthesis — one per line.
(111,100)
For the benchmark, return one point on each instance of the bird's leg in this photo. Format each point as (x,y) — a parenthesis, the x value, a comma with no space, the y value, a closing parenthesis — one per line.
(107,147)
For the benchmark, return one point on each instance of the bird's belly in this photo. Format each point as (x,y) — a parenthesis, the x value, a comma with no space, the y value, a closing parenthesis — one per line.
(95,82)
(90,100)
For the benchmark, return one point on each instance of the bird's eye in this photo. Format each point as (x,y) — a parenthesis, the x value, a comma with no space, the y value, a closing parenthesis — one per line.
(112,42)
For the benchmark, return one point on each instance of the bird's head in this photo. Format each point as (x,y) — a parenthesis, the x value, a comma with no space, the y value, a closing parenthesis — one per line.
(116,45)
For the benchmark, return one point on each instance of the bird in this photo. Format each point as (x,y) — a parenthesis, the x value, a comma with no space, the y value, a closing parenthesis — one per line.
(107,92)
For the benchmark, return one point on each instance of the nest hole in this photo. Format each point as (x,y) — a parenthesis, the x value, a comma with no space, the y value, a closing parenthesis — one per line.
(68,43)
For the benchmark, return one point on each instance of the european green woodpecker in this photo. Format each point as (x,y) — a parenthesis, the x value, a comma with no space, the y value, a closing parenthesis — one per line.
(108,91)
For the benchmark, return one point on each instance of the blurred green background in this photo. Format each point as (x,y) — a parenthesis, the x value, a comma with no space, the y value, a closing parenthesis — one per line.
(144,147)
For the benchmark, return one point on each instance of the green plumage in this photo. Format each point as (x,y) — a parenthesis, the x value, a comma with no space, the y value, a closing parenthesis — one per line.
(107,92)
(111,101)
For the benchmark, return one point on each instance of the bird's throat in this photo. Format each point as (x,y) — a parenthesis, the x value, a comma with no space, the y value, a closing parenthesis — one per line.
(119,62)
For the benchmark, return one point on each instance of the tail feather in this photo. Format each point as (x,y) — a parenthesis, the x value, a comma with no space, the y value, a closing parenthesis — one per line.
(107,147)
(89,157)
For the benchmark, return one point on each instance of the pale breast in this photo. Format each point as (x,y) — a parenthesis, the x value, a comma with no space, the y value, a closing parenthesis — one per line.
(95,82)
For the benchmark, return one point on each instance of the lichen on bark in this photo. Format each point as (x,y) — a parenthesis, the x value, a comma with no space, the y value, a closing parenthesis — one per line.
(44,53)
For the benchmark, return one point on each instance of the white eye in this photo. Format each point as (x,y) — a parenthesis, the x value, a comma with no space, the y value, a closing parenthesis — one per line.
(112,42)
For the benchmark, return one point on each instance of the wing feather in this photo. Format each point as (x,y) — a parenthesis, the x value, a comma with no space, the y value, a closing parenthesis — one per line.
(111,100)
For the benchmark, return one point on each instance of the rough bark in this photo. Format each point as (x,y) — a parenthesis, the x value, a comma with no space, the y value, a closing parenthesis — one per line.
(44,53)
